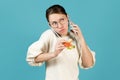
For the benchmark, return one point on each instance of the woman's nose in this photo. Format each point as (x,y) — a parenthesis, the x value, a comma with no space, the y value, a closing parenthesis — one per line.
(60,25)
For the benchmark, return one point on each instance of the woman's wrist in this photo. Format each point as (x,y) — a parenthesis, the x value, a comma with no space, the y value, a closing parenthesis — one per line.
(52,55)
(55,53)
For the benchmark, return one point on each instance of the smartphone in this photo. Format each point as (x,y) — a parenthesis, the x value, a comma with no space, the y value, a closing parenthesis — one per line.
(71,30)
(71,27)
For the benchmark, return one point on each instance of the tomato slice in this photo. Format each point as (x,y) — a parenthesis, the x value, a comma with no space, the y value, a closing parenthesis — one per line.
(67,44)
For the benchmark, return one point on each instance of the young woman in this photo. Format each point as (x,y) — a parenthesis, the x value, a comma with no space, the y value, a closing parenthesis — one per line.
(62,50)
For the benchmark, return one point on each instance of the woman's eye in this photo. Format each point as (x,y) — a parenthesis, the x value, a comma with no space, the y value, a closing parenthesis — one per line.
(62,20)
(54,23)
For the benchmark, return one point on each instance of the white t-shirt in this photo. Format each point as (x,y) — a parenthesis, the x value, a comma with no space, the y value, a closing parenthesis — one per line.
(63,67)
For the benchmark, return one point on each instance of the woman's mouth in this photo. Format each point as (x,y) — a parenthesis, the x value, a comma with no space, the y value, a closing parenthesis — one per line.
(62,31)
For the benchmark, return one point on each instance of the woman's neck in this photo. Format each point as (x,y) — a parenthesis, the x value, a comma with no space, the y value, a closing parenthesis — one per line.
(65,35)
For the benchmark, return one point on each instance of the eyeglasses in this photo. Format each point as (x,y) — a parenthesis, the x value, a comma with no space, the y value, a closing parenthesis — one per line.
(54,24)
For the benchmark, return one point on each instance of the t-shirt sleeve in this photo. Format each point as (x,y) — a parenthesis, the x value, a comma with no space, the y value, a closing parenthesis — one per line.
(37,48)
(80,60)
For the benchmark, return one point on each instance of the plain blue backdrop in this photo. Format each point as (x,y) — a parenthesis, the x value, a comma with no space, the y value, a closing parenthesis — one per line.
(23,21)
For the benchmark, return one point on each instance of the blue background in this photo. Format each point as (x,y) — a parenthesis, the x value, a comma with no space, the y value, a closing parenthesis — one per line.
(23,21)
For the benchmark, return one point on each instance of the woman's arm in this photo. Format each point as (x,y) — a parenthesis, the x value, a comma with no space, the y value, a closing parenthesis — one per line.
(44,57)
(47,56)
(86,57)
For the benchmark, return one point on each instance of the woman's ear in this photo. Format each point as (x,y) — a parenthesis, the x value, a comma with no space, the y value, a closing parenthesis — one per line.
(68,17)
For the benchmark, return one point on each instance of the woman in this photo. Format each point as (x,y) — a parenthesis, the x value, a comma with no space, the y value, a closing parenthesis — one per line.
(62,50)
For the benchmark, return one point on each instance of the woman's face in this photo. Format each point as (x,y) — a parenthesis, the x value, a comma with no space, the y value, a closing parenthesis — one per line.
(59,22)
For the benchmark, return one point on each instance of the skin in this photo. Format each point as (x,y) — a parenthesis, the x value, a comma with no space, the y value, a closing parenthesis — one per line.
(62,29)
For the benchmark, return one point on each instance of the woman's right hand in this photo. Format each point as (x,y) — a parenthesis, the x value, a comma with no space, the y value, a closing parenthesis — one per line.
(59,46)
(46,56)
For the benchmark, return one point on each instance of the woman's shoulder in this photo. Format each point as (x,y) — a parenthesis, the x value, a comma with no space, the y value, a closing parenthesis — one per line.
(47,34)
(47,31)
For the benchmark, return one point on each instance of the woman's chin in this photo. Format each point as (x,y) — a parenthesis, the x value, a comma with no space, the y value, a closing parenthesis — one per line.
(64,34)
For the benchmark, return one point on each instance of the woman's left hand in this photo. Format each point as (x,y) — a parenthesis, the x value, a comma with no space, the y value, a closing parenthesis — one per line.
(76,30)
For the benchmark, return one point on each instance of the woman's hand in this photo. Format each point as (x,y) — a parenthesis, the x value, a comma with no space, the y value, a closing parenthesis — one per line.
(59,46)
(76,30)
